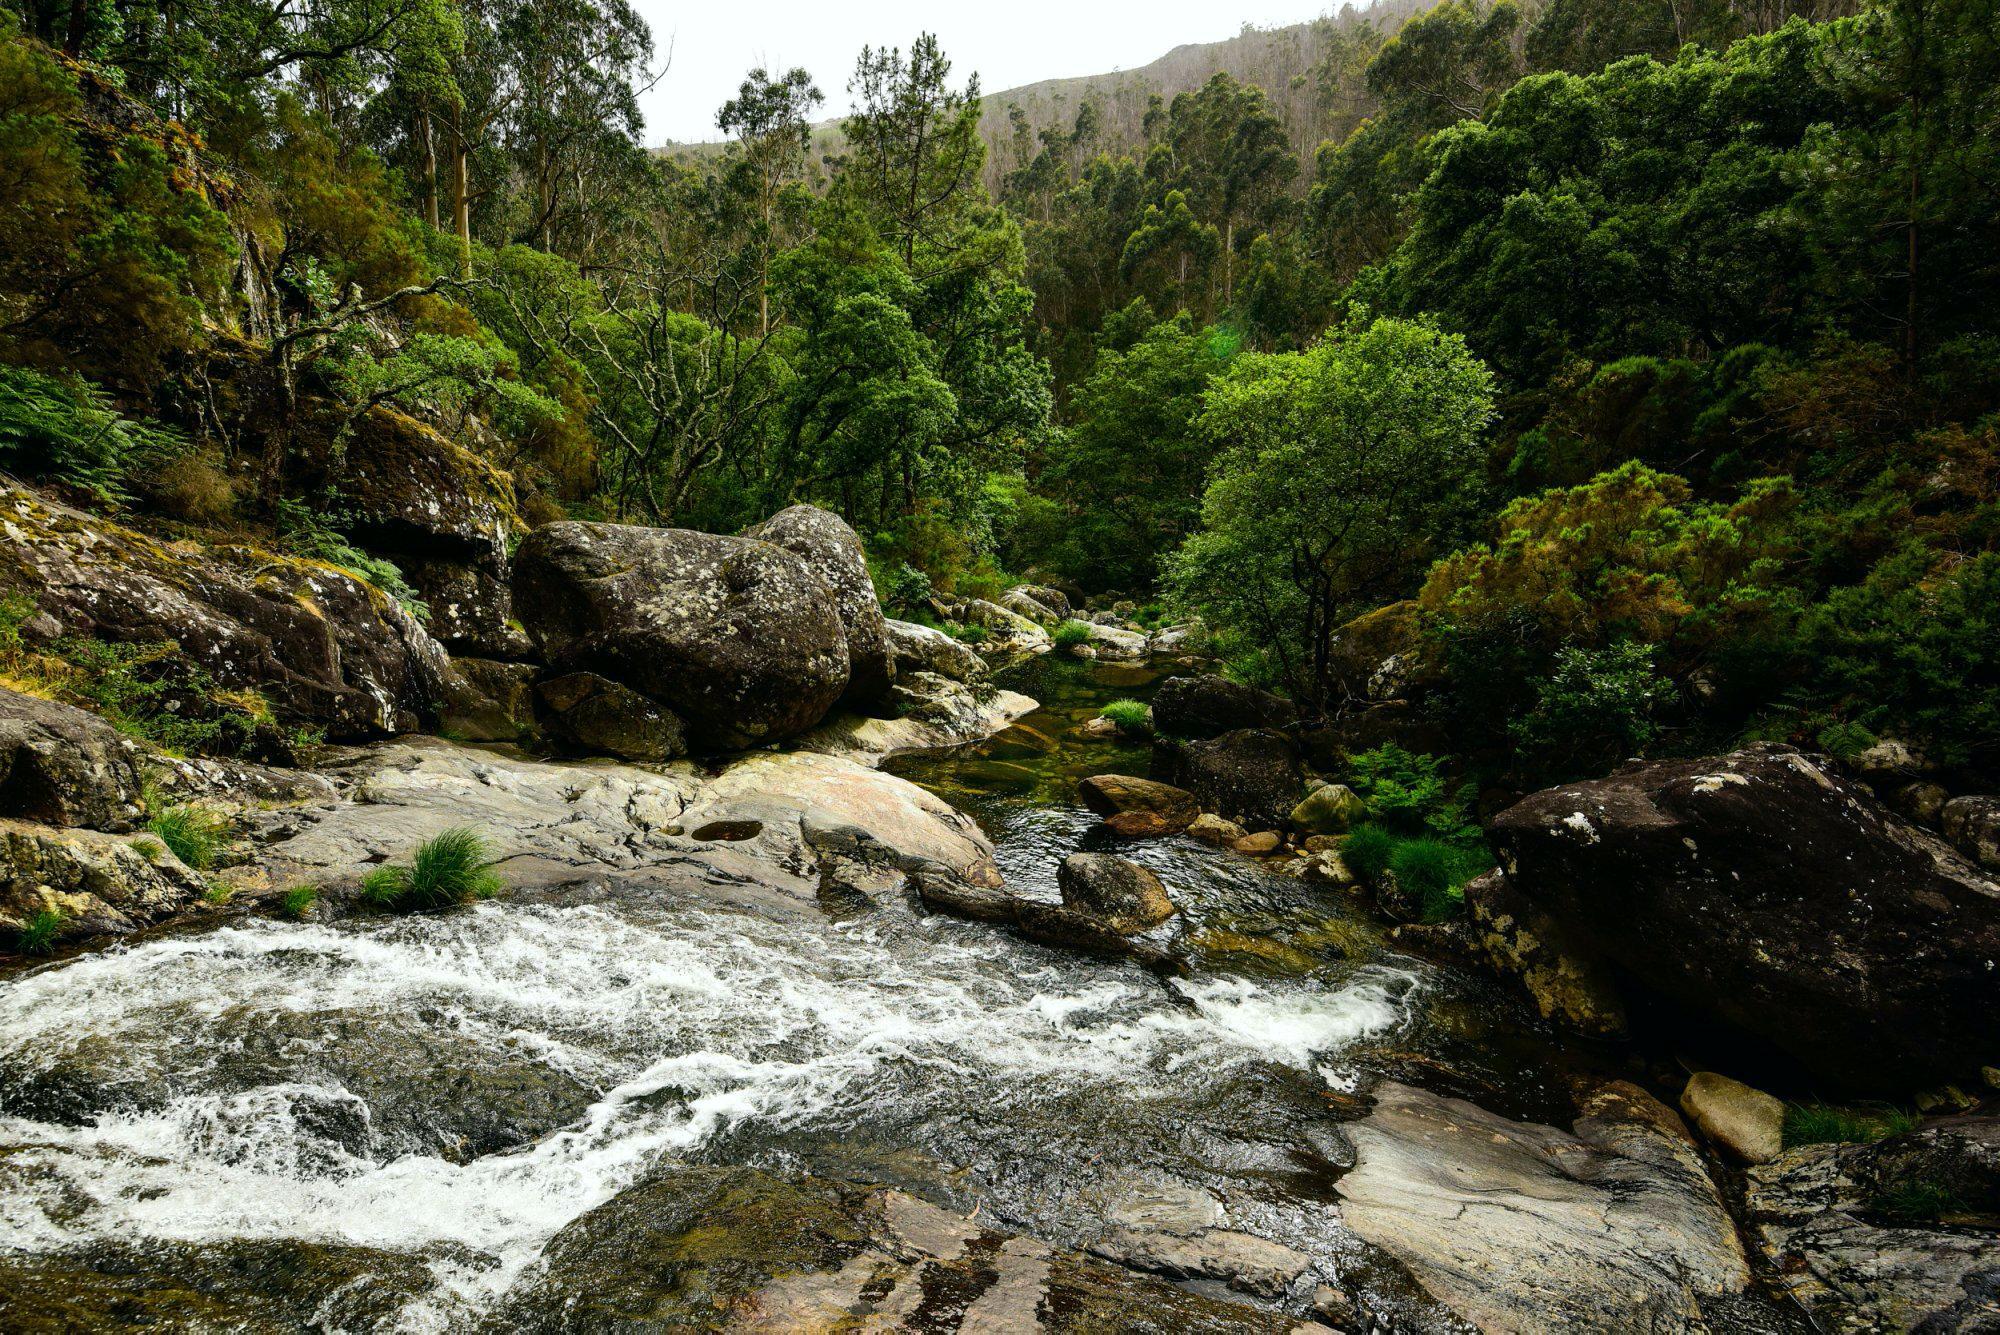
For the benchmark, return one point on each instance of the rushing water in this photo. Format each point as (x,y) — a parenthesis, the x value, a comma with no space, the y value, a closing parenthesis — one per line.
(460,1087)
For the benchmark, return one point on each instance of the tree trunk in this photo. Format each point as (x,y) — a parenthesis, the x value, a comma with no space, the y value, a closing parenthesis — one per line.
(461,196)
(427,144)
(79,20)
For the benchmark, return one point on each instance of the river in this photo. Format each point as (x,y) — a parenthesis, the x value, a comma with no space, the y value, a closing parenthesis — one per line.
(451,1091)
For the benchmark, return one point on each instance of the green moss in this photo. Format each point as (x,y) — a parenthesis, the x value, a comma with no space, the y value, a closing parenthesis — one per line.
(449,870)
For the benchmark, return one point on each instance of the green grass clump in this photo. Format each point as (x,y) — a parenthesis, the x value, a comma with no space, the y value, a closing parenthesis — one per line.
(1070,633)
(38,936)
(1367,851)
(194,834)
(1824,1124)
(1129,715)
(1919,1201)
(448,870)
(1435,873)
(298,901)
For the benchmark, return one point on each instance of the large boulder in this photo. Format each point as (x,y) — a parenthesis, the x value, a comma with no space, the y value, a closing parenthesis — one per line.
(740,638)
(65,766)
(1329,809)
(93,882)
(322,646)
(1518,940)
(1008,631)
(1747,1122)
(1612,1226)
(1138,807)
(1853,1232)
(442,514)
(1973,826)
(830,547)
(1762,890)
(1374,657)
(915,648)
(1023,603)
(1121,894)
(1207,706)
(1251,775)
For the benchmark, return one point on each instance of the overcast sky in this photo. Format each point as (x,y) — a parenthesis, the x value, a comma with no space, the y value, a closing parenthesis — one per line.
(1009,43)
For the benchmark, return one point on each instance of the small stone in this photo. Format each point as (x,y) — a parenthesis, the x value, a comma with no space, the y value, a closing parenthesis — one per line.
(1326,866)
(1991,1075)
(1259,845)
(1747,1122)
(1332,1304)
(1213,829)
(1099,729)
(1323,843)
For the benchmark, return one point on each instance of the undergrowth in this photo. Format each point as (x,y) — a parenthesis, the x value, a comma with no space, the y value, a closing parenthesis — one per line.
(449,870)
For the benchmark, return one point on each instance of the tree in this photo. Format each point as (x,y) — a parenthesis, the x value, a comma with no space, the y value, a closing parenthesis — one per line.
(915,154)
(1339,471)
(769,119)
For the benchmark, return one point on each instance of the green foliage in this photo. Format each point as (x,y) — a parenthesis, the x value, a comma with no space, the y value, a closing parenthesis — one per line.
(1368,851)
(903,587)
(449,870)
(312,533)
(38,935)
(1919,1201)
(1409,794)
(1069,634)
(1337,470)
(68,431)
(971,634)
(1594,707)
(1436,873)
(1825,1124)
(1132,716)
(296,902)
(194,834)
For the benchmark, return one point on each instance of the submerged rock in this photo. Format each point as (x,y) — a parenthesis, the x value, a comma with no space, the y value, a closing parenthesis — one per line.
(834,553)
(739,638)
(1123,895)
(1525,1228)
(65,766)
(1762,890)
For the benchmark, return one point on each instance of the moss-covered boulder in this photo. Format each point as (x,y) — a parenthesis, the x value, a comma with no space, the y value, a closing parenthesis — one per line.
(88,881)
(65,766)
(833,551)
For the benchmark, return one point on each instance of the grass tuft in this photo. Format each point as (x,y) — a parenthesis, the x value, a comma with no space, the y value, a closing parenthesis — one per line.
(38,935)
(1919,1201)
(451,869)
(298,901)
(1367,851)
(1070,633)
(1824,1124)
(1129,715)
(1435,872)
(194,834)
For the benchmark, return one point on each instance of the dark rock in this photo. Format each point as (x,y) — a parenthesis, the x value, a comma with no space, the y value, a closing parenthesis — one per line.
(1518,940)
(65,766)
(324,647)
(1251,775)
(1123,895)
(1208,706)
(1334,745)
(597,714)
(833,552)
(1761,890)
(490,701)
(1921,803)
(739,638)
(1167,809)
(1973,826)
(917,648)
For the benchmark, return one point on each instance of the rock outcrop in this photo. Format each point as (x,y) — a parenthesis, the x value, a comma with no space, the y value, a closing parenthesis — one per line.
(834,553)
(1526,1228)
(740,639)
(1007,631)
(1762,890)
(599,716)
(93,882)
(323,647)
(1518,940)
(1252,775)
(1893,1236)
(1207,706)
(65,766)
(917,648)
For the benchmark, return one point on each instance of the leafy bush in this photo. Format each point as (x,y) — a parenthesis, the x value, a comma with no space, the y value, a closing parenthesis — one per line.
(68,431)
(1408,793)
(1435,873)
(1368,851)
(451,869)
(38,934)
(1594,707)
(296,902)
(1070,633)
(1824,1124)
(1129,715)
(193,833)
(903,586)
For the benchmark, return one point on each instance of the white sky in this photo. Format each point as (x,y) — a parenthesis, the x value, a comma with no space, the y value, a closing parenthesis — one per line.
(1010,43)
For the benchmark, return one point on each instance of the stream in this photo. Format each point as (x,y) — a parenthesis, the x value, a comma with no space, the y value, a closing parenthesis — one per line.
(426,1102)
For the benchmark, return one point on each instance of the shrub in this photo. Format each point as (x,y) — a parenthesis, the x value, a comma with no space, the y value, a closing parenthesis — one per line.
(1823,1124)
(1408,793)
(1435,873)
(38,934)
(297,901)
(451,869)
(193,833)
(903,586)
(1070,633)
(1592,709)
(1367,851)
(68,430)
(1129,715)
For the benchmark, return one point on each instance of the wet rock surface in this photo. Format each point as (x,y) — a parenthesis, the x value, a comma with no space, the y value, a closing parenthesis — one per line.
(1762,890)
(1520,1227)
(739,638)
(1123,895)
